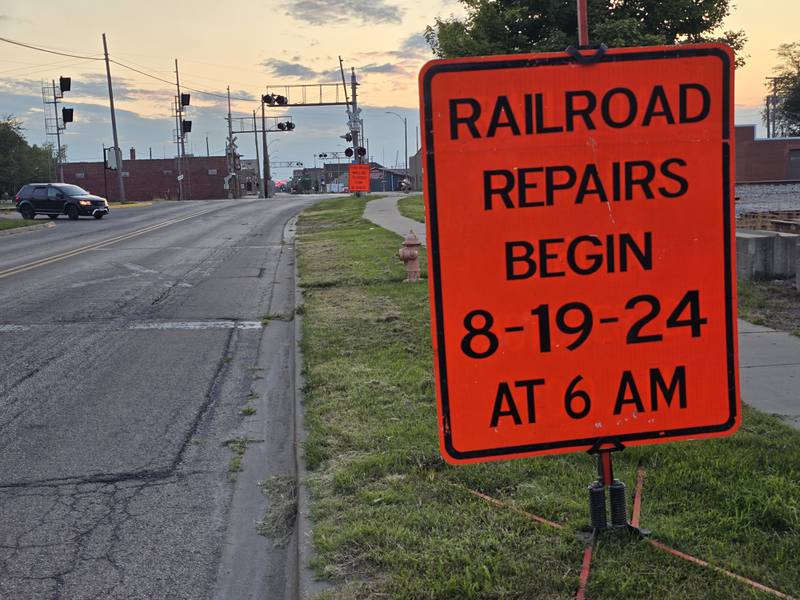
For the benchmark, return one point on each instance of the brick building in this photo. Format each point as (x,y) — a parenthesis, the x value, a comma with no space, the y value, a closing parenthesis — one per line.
(148,179)
(765,160)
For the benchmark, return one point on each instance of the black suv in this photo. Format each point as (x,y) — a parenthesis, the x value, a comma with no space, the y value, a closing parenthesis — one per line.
(53,199)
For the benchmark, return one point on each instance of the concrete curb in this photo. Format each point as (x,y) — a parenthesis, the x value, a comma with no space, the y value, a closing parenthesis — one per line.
(307,586)
(26,228)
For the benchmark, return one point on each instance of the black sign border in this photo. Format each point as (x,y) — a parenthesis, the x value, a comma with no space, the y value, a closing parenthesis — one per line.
(585,443)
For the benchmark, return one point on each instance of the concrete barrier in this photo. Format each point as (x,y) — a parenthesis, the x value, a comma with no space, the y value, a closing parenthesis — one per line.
(784,262)
(753,250)
(767,254)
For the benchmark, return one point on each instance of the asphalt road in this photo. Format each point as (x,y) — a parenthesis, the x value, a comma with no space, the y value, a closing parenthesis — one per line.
(128,347)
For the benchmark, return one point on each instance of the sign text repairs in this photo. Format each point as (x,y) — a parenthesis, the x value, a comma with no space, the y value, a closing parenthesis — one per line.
(580,243)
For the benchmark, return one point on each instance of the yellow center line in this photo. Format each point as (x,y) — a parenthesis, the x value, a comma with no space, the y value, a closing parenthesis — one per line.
(94,246)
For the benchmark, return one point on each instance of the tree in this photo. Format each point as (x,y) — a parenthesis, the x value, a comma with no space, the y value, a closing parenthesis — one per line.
(515,26)
(783,102)
(20,163)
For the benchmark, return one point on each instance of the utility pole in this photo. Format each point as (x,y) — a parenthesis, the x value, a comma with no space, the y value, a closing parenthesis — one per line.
(59,162)
(231,158)
(354,126)
(105,172)
(117,150)
(267,174)
(258,160)
(177,139)
(182,160)
(418,168)
(405,137)
(208,150)
(180,109)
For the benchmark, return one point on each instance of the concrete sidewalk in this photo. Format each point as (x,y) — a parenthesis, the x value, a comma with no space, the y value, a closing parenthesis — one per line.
(769,360)
(769,370)
(383,212)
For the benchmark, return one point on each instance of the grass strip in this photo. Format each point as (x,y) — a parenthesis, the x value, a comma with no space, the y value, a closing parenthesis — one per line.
(774,304)
(392,520)
(412,207)
(14,223)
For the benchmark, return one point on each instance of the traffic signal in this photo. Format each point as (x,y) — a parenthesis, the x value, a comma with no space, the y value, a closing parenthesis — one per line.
(323,155)
(185,99)
(186,126)
(282,126)
(67,115)
(286,126)
(281,100)
(348,152)
(289,125)
(65,84)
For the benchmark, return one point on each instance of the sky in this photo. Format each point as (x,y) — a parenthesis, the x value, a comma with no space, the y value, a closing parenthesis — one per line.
(257,44)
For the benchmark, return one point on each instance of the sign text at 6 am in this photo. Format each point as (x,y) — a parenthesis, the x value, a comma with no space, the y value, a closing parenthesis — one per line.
(580,240)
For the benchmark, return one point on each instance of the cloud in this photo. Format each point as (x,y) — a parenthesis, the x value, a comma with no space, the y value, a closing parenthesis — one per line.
(325,12)
(416,45)
(411,51)
(386,68)
(284,68)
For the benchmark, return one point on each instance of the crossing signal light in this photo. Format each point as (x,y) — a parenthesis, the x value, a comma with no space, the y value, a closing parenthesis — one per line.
(67,115)
(348,152)
(348,137)
(274,100)
(65,83)
(186,126)
(362,151)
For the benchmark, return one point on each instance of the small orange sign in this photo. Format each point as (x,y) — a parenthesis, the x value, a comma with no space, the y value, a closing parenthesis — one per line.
(580,241)
(359,177)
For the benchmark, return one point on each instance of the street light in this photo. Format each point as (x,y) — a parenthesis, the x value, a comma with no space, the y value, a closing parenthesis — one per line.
(405,136)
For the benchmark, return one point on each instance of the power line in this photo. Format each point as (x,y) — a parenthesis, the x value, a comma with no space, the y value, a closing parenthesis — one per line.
(123,65)
(45,67)
(2,39)
(198,91)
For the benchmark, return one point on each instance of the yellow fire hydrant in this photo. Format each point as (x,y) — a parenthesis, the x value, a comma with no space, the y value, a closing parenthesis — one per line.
(409,254)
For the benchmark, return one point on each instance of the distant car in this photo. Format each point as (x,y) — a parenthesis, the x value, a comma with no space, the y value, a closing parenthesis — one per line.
(54,199)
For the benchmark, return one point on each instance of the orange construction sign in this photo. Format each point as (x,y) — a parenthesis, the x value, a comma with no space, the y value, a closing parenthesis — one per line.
(359,177)
(581,249)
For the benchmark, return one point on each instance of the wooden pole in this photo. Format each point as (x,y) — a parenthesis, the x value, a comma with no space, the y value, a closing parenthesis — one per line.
(583,24)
